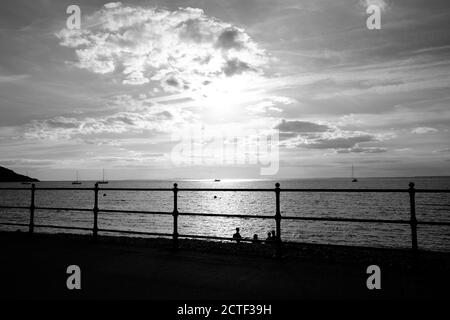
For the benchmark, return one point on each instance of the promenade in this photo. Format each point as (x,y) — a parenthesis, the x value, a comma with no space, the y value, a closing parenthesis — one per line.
(35,267)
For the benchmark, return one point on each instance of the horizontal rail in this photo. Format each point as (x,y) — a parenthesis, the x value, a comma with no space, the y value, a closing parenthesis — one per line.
(14,207)
(348,190)
(14,224)
(194,236)
(136,232)
(52,226)
(225,215)
(227,189)
(432,190)
(64,188)
(63,209)
(135,211)
(135,189)
(434,223)
(366,190)
(333,219)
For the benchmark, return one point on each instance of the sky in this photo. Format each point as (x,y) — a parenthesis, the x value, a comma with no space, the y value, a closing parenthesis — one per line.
(141,81)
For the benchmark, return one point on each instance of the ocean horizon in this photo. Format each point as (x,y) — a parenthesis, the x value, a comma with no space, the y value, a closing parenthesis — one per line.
(176,179)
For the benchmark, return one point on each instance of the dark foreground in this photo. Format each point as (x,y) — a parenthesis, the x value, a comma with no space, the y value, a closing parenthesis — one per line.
(35,267)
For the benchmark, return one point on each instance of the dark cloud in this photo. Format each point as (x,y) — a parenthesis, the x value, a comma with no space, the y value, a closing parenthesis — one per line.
(235,66)
(229,39)
(301,127)
(65,123)
(339,142)
(287,135)
(311,135)
(164,115)
(124,119)
(192,29)
(370,161)
(172,82)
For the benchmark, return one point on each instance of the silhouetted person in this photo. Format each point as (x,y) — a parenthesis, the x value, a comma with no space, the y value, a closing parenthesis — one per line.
(274,236)
(269,237)
(255,238)
(237,236)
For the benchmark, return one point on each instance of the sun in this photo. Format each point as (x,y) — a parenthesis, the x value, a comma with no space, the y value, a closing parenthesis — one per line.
(225,98)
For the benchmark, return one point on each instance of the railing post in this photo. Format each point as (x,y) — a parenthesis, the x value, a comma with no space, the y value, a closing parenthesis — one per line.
(95,229)
(278,219)
(175,216)
(32,207)
(413,220)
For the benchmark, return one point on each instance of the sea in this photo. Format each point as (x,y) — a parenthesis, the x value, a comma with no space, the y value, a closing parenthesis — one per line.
(429,207)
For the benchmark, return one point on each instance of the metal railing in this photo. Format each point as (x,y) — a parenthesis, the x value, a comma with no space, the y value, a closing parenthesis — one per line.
(412,221)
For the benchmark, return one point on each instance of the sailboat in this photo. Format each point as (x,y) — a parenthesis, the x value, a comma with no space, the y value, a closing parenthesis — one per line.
(353,177)
(76,181)
(103,181)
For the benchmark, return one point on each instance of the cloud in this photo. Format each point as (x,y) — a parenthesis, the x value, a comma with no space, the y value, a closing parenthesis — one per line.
(382,4)
(62,122)
(27,162)
(332,138)
(283,100)
(133,157)
(112,5)
(88,128)
(405,75)
(312,135)
(447,150)
(270,104)
(358,149)
(301,127)
(424,130)
(235,66)
(13,77)
(344,141)
(181,49)
(264,107)
(231,38)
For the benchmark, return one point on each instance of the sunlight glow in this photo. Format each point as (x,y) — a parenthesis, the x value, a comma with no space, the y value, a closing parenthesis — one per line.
(227,97)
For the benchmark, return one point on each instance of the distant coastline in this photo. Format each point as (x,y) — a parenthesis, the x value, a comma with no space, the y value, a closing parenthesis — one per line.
(7,175)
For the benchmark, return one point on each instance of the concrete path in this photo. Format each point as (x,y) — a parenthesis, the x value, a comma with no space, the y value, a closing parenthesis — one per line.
(36,268)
